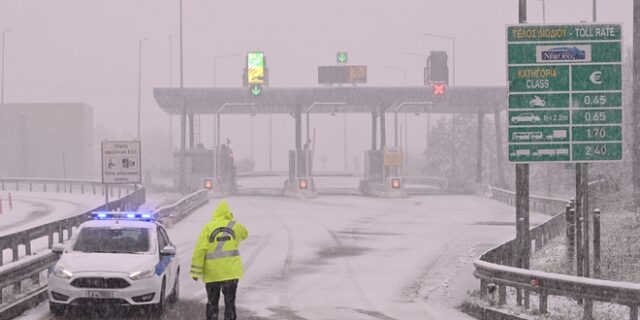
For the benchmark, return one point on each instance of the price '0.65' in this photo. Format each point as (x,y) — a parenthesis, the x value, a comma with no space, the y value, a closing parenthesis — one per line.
(591,100)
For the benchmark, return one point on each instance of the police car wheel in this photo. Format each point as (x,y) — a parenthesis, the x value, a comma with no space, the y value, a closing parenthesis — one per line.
(56,308)
(176,289)
(158,309)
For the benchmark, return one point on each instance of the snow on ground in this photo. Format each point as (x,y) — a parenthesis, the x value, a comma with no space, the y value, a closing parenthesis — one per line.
(350,257)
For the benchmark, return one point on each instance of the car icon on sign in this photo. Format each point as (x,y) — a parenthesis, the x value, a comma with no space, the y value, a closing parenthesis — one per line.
(525,117)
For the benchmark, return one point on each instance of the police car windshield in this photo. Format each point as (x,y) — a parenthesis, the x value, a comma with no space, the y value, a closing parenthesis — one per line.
(121,240)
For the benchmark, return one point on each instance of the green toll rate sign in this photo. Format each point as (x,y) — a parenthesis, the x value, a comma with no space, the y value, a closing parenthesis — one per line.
(565,93)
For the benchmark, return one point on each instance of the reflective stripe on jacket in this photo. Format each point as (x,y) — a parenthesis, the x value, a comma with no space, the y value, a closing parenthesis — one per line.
(216,256)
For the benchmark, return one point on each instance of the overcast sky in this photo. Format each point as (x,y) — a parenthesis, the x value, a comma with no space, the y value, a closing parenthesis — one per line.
(87,50)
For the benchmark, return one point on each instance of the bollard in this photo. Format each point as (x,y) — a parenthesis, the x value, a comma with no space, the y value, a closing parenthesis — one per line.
(0,209)
(596,241)
(57,187)
(82,189)
(10,201)
(44,187)
(588,309)
(502,294)
(579,260)
(543,301)
(571,232)
(94,189)
(633,312)
(483,287)
(30,186)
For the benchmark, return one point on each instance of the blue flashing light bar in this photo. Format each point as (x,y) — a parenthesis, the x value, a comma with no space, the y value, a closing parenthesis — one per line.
(121,215)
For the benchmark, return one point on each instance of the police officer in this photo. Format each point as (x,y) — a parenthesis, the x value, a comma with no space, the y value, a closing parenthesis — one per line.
(216,260)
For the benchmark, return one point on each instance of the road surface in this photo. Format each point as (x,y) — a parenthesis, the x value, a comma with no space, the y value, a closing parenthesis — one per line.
(347,257)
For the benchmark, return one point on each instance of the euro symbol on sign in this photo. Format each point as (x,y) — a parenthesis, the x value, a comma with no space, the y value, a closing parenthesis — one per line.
(596,77)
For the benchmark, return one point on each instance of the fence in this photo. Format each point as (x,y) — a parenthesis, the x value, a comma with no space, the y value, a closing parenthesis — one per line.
(47,185)
(495,268)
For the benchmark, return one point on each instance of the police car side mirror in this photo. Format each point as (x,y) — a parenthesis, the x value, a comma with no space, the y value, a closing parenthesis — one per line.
(168,251)
(57,248)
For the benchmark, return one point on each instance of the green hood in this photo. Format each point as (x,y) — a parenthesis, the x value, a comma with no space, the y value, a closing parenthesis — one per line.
(222,212)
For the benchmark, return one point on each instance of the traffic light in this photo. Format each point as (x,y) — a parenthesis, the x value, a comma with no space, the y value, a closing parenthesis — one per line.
(303,184)
(396,183)
(439,89)
(208,184)
(438,69)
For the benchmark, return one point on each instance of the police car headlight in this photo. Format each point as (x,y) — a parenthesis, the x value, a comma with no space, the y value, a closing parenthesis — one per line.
(62,273)
(142,274)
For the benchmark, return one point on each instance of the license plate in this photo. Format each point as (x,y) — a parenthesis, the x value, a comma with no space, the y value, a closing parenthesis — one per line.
(99,294)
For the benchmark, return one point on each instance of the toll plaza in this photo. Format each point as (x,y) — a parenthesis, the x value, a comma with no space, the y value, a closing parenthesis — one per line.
(382,176)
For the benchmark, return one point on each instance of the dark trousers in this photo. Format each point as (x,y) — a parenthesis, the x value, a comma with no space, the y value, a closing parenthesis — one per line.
(228,289)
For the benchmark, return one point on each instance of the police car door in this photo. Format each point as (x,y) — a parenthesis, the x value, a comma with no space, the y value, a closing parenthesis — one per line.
(166,264)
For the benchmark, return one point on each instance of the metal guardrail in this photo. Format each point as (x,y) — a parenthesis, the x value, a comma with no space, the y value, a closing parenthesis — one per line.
(431,181)
(30,268)
(57,228)
(496,267)
(62,185)
(175,212)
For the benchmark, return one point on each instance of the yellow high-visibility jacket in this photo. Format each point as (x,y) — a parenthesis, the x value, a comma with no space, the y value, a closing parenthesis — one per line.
(216,256)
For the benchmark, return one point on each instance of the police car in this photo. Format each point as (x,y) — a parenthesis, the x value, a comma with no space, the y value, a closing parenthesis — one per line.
(118,259)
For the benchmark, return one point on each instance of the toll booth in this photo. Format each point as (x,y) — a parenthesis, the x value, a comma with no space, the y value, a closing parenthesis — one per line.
(225,169)
(382,173)
(300,182)
(198,164)
(201,163)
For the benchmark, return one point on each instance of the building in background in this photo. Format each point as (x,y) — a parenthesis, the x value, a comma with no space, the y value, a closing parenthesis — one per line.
(47,140)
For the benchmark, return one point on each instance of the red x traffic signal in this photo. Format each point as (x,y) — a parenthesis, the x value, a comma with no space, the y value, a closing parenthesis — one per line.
(438,89)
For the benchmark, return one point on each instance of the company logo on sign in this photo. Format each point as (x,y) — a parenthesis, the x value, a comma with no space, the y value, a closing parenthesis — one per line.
(562,54)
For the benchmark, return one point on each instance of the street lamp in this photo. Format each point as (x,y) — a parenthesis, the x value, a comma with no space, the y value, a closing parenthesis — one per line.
(453,65)
(2,85)
(139,80)
(544,13)
(215,59)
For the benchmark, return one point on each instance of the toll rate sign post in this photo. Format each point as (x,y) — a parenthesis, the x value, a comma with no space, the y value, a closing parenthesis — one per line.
(565,93)
(121,164)
(565,105)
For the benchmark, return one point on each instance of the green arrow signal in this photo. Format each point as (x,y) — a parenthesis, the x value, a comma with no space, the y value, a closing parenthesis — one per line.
(342,57)
(256,90)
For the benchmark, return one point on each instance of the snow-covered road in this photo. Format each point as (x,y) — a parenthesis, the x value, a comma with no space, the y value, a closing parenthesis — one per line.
(349,257)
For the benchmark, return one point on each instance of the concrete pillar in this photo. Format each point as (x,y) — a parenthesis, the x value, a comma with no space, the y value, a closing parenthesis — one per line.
(479,148)
(383,130)
(298,119)
(374,129)
(499,152)
(191,133)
